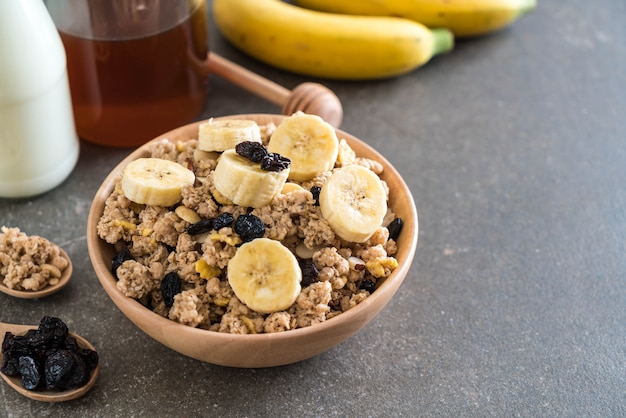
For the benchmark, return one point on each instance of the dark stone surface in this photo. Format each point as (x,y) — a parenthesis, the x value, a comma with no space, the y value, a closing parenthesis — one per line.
(514,146)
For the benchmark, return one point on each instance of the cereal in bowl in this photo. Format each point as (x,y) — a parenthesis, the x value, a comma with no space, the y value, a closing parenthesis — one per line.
(256,230)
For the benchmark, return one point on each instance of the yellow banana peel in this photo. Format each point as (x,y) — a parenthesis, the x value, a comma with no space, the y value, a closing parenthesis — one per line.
(328,45)
(464,18)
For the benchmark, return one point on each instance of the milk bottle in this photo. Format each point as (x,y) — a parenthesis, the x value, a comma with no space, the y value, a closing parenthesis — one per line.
(38,142)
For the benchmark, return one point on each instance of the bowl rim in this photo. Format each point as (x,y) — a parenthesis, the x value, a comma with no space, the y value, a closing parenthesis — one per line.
(386,289)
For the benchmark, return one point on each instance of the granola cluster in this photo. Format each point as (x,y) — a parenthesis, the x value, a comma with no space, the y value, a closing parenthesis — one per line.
(29,262)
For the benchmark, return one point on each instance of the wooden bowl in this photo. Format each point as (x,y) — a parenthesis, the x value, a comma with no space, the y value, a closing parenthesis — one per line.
(257,350)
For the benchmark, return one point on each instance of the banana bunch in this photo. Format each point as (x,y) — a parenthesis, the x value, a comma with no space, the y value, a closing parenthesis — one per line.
(328,45)
(463,17)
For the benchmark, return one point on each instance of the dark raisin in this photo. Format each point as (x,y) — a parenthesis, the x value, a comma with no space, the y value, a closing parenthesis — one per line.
(29,372)
(315,191)
(119,258)
(170,286)
(222,221)
(54,330)
(200,227)
(395,227)
(10,365)
(309,272)
(65,370)
(254,151)
(367,284)
(275,162)
(90,357)
(249,227)
(13,347)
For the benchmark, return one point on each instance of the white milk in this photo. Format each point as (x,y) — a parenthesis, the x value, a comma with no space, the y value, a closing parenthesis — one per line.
(38,142)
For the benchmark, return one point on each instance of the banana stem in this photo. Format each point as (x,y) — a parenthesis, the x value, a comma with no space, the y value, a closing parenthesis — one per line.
(528,7)
(443,40)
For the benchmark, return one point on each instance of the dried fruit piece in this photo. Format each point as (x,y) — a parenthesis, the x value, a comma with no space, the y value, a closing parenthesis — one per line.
(119,258)
(223,220)
(275,162)
(200,227)
(367,284)
(254,151)
(395,227)
(65,370)
(249,227)
(29,372)
(315,191)
(171,285)
(309,272)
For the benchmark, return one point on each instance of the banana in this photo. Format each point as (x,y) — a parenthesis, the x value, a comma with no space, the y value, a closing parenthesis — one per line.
(265,275)
(328,45)
(220,135)
(291,187)
(154,181)
(244,182)
(354,202)
(463,17)
(309,142)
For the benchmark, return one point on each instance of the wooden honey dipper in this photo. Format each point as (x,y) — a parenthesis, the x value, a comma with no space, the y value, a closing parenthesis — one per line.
(308,97)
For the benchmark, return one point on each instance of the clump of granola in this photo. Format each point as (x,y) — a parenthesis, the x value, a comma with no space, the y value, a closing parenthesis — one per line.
(197,238)
(29,262)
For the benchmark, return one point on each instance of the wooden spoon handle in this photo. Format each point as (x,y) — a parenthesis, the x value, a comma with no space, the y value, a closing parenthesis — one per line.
(311,98)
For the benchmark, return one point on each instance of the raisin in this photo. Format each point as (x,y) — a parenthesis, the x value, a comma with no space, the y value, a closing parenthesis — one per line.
(395,227)
(90,357)
(29,372)
(119,258)
(315,191)
(309,272)
(10,365)
(222,221)
(54,330)
(254,151)
(200,227)
(65,370)
(367,284)
(275,162)
(13,348)
(249,227)
(170,286)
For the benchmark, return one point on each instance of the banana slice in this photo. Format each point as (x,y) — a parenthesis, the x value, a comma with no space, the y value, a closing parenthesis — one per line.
(309,142)
(220,135)
(354,202)
(154,181)
(265,275)
(290,187)
(244,182)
